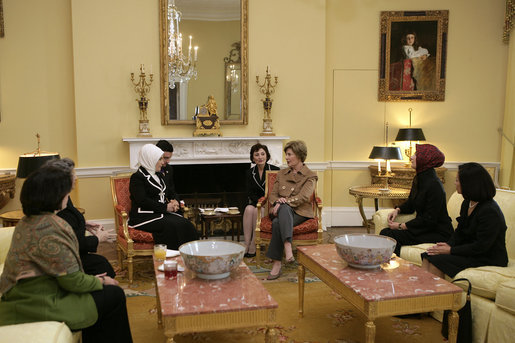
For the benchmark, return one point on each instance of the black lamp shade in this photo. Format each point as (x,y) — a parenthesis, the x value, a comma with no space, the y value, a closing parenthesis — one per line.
(410,134)
(385,153)
(29,163)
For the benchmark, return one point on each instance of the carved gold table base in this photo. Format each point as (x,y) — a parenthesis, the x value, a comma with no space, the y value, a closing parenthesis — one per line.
(374,192)
(380,292)
(187,304)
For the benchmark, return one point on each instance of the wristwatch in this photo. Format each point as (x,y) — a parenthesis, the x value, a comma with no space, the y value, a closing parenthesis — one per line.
(400,226)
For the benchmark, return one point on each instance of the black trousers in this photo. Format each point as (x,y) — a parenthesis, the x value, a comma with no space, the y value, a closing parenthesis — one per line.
(282,230)
(112,325)
(406,237)
(172,230)
(95,264)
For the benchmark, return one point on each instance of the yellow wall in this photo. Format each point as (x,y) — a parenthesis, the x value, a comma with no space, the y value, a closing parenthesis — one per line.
(65,66)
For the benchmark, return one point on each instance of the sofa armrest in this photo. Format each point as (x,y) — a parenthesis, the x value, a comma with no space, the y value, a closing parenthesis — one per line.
(51,332)
(380,219)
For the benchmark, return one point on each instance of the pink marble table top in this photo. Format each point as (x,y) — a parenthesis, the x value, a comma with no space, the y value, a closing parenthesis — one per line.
(399,279)
(188,295)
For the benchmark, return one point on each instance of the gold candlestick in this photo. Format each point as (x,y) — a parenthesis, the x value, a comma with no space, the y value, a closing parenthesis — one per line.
(142,87)
(267,88)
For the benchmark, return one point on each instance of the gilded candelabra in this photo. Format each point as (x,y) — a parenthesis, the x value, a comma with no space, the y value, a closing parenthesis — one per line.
(267,88)
(142,87)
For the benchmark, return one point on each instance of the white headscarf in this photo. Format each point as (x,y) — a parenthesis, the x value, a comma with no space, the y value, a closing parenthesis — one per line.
(148,157)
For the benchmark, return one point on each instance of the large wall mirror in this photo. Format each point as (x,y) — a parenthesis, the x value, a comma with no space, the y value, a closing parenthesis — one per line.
(219,29)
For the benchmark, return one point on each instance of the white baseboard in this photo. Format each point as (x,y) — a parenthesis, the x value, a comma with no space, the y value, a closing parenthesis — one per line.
(344,216)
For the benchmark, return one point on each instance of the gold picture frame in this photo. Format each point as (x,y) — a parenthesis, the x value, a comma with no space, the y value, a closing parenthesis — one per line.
(413,52)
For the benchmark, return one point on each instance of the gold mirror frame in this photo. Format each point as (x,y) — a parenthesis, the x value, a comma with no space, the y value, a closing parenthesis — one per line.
(163,72)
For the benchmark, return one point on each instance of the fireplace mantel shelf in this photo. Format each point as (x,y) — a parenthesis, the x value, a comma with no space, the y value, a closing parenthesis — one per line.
(210,150)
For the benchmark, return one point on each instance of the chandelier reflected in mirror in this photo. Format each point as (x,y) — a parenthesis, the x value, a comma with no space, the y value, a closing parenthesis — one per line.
(181,67)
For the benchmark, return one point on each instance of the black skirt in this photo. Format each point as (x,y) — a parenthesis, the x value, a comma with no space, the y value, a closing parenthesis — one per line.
(451,264)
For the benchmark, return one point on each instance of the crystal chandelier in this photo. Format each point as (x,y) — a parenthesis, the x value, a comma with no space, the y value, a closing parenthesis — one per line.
(180,67)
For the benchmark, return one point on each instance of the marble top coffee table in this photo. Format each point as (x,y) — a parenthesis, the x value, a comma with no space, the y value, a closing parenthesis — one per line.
(188,304)
(397,288)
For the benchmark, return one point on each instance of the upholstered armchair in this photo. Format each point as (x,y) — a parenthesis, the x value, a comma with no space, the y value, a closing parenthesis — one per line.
(307,233)
(130,242)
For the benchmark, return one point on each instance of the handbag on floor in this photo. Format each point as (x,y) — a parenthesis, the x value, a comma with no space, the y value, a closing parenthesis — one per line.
(465,320)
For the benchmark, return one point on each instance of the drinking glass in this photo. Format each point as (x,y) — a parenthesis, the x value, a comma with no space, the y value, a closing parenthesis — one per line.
(160,252)
(170,268)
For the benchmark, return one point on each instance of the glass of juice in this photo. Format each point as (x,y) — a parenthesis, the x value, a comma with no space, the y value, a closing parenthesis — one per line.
(170,268)
(160,252)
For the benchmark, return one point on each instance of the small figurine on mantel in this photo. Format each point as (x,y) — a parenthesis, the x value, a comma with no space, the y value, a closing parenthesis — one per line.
(207,121)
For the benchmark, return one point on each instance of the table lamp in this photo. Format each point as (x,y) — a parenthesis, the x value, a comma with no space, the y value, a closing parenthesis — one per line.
(385,153)
(29,162)
(410,134)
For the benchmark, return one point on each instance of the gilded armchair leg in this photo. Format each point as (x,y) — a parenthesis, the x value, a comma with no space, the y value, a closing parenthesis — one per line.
(131,269)
(120,256)
(258,254)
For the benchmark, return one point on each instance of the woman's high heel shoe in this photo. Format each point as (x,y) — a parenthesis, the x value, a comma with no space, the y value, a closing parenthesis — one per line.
(291,260)
(273,277)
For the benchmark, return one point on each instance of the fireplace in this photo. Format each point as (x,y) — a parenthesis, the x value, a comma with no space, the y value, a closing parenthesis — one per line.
(208,185)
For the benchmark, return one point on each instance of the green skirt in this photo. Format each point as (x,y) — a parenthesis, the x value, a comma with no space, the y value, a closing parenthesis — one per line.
(42,299)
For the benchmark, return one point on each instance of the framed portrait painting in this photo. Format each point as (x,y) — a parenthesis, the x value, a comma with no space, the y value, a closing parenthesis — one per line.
(413,54)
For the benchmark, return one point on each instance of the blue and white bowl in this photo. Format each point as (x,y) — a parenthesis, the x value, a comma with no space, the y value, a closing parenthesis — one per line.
(211,259)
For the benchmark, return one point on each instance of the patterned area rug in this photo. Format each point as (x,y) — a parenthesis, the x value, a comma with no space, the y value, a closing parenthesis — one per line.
(328,317)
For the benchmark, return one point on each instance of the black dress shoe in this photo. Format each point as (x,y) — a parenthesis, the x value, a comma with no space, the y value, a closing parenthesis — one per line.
(247,255)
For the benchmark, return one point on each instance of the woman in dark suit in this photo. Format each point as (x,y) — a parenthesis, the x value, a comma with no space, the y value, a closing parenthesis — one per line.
(255,178)
(480,238)
(290,198)
(427,197)
(152,210)
(93,264)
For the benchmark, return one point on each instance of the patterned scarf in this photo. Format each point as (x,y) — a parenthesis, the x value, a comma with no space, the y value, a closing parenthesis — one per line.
(41,245)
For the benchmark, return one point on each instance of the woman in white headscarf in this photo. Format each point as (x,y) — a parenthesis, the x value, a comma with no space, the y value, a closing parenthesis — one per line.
(151,209)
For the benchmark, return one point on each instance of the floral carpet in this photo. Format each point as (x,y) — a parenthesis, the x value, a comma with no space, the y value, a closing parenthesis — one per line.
(327,317)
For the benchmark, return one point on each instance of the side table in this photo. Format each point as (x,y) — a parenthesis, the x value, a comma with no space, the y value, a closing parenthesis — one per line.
(12,218)
(374,192)
(235,219)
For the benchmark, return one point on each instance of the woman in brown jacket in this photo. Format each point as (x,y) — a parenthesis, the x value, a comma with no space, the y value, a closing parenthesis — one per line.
(290,198)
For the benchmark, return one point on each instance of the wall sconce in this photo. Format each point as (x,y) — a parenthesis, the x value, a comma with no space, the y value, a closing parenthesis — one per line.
(410,134)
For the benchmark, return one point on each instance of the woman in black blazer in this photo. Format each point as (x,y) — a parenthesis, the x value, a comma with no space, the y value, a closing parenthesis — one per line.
(427,198)
(480,238)
(152,210)
(255,178)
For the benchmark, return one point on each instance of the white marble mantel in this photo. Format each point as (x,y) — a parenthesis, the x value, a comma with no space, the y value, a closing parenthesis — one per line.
(211,150)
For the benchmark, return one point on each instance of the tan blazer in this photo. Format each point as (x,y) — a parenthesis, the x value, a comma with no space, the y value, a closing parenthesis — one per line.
(296,188)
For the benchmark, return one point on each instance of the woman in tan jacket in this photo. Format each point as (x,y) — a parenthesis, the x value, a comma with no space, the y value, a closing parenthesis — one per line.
(290,198)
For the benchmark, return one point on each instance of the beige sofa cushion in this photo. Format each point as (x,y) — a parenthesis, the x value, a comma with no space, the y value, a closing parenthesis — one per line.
(505,298)
(412,252)
(486,280)
(39,332)
(6,234)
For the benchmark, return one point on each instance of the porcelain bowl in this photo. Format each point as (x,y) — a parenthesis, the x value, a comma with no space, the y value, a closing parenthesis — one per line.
(364,250)
(211,259)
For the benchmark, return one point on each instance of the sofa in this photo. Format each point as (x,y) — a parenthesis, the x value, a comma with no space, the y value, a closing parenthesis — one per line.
(493,288)
(39,332)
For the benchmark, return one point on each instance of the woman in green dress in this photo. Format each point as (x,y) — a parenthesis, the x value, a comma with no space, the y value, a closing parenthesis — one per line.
(43,278)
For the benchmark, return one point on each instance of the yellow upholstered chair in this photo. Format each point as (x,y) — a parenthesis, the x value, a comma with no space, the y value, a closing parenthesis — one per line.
(307,233)
(130,242)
